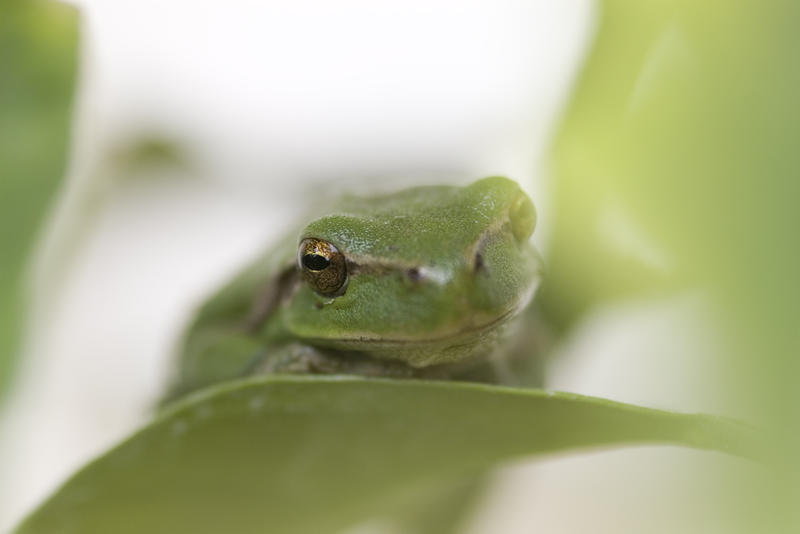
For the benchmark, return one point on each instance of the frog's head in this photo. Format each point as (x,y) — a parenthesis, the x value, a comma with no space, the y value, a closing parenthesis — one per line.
(426,275)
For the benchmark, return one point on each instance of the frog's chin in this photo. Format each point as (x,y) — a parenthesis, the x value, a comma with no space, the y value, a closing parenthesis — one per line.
(434,349)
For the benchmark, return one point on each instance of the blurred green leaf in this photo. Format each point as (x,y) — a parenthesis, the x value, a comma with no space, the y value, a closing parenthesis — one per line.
(38,51)
(676,161)
(296,454)
(677,167)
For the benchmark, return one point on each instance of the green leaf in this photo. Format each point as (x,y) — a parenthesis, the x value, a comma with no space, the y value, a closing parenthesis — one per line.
(296,454)
(38,54)
(676,169)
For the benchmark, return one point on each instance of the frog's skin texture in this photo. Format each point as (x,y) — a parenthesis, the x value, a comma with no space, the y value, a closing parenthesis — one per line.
(422,283)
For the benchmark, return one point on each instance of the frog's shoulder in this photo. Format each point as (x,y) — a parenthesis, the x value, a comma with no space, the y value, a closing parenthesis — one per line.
(219,341)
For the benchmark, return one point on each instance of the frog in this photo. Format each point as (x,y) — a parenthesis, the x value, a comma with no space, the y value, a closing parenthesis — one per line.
(420,283)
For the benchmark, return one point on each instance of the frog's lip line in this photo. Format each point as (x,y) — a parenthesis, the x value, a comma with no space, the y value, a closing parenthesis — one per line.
(473,330)
(376,341)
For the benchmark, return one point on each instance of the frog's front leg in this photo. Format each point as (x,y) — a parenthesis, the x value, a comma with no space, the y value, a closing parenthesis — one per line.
(293,358)
(301,358)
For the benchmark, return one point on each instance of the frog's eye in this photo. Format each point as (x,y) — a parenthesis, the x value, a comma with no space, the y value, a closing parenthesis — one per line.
(323,266)
(523,217)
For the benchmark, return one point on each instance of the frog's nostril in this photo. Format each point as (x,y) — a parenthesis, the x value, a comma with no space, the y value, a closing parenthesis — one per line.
(522,216)
(414,274)
(478,265)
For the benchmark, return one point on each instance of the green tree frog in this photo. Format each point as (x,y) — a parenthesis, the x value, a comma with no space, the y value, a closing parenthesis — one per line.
(419,283)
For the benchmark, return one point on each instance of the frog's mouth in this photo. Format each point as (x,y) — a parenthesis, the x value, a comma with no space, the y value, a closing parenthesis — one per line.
(440,348)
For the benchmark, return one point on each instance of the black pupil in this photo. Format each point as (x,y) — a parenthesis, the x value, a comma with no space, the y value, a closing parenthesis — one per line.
(315,262)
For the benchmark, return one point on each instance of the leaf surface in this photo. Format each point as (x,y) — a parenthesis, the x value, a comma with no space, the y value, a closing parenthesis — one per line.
(296,454)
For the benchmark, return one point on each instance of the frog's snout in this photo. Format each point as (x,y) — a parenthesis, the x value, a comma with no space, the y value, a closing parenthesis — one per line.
(522,216)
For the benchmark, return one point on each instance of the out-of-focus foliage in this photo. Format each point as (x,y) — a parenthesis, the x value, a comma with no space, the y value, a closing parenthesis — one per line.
(316,454)
(677,166)
(38,52)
